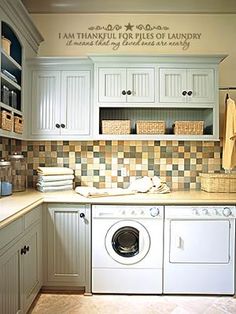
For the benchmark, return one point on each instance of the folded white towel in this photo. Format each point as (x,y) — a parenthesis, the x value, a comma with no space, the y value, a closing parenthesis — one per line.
(55,188)
(53,178)
(46,171)
(54,183)
(141,185)
(94,192)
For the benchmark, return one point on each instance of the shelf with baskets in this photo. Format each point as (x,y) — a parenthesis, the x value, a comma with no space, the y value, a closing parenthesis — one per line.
(11,116)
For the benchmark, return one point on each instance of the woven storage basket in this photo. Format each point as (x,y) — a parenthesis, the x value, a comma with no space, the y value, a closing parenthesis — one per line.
(150,127)
(6,45)
(218,182)
(6,120)
(188,127)
(18,125)
(116,127)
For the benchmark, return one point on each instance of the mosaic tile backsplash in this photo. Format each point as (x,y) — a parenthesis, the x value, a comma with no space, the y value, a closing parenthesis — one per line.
(106,164)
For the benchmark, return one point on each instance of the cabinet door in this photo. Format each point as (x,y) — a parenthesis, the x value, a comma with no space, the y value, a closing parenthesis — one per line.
(202,85)
(112,85)
(66,245)
(46,103)
(9,281)
(172,85)
(75,102)
(31,266)
(141,84)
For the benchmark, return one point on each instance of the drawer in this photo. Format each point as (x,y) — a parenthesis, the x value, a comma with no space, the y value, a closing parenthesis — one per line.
(11,232)
(32,216)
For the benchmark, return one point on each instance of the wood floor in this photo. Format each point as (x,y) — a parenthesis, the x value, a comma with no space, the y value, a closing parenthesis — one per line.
(124,304)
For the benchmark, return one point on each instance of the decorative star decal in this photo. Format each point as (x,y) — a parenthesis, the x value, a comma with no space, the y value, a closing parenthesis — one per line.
(129,27)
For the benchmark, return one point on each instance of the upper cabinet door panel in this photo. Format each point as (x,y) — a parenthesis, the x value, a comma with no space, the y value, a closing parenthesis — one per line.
(140,82)
(45,102)
(172,85)
(202,84)
(75,102)
(112,85)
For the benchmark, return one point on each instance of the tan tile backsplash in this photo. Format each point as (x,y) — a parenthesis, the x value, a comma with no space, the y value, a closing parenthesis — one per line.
(117,163)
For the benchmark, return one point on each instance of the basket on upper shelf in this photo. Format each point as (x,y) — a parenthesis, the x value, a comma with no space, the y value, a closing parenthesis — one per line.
(6,120)
(188,127)
(18,125)
(118,127)
(150,127)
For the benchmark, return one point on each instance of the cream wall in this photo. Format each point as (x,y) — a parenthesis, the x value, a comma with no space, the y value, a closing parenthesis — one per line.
(211,34)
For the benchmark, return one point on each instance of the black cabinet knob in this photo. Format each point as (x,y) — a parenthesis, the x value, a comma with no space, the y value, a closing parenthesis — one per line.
(23,250)
(190,93)
(82,215)
(27,248)
(57,125)
(184,93)
(123,92)
(63,125)
(129,92)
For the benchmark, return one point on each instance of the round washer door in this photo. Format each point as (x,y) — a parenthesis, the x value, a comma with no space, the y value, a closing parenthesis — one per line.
(127,242)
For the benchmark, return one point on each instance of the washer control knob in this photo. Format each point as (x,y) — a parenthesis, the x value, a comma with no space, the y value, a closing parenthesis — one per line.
(205,211)
(154,211)
(195,211)
(215,212)
(133,212)
(227,212)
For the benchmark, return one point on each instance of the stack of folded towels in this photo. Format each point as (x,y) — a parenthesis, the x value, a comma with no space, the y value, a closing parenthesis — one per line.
(54,179)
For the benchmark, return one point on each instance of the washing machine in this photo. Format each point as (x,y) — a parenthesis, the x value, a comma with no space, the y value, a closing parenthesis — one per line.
(127,249)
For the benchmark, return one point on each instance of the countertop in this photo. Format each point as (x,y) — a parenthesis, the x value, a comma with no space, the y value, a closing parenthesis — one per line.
(12,207)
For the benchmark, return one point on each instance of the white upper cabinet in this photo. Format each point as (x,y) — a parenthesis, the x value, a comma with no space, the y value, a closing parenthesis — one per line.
(60,103)
(126,85)
(187,85)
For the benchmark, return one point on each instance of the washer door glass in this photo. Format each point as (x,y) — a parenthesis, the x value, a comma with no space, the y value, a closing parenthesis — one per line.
(127,242)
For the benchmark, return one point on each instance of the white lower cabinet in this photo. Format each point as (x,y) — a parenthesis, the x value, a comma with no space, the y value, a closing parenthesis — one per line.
(20,264)
(67,246)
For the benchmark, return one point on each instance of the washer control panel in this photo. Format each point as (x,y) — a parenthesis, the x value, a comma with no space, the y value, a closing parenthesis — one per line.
(201,212)
(127,211)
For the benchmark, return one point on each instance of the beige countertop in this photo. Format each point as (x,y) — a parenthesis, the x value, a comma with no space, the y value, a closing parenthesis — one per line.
(19,203)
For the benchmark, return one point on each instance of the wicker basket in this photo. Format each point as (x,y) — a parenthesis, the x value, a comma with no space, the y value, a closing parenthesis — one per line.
(188,127)
(116,127)
(218,182)
(6,45)
(6,120)
(18,125)
(150,127)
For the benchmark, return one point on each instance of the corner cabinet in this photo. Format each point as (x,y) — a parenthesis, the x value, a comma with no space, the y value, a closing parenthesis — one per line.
(21,262)
(60,100)
(67,246)
(157,88)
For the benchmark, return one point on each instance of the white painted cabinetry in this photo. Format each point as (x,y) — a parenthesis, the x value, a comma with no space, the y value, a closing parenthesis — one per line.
(60,106)
(67,245)
(126,85)
(186,85)
(21,262)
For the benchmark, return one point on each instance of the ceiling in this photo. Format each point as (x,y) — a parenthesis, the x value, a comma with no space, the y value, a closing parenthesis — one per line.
(130,6)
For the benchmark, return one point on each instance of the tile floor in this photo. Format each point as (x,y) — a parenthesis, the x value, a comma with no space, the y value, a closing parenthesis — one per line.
(124,304)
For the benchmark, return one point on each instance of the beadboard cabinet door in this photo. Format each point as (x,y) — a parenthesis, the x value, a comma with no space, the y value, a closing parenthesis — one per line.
(195,86)
(67,245)
(126,85)
(60,104)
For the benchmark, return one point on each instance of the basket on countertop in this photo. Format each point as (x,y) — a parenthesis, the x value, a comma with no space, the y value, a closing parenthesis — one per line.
(218,182)
(6,45)
(6,120)
(116,126)
(18,125)
(188,127)
(150,127)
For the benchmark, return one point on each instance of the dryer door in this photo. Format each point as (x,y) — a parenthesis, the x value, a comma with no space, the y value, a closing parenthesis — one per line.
(127,242)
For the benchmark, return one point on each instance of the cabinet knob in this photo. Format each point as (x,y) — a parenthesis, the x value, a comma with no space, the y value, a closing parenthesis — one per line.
(63,125)
(57,125)
(23,250)
(184,93)
(82,215)
(190,93)
(129,92)
(27,248)
(123,92)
